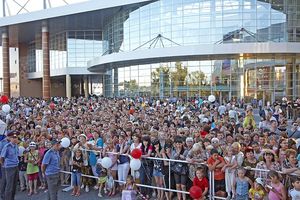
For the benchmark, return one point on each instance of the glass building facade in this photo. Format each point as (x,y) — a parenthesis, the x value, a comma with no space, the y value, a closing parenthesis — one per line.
(67,49)
(170,23)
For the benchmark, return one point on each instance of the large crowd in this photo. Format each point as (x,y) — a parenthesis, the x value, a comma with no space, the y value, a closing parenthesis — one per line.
(251,157)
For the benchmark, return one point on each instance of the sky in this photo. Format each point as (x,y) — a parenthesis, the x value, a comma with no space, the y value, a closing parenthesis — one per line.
(13,7)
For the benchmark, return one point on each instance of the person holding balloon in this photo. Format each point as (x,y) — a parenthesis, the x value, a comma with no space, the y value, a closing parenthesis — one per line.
(201,181)
(110,151)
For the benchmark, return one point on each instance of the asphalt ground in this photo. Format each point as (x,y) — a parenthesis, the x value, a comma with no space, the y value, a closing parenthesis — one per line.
(91,195)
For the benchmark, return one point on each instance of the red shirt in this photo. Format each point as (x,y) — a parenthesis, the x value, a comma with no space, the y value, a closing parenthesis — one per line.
(218,174)
(202,183)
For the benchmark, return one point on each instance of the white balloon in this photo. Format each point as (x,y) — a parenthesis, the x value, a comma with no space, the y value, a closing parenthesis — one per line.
(298,143)
(106,162)
(21,150)
(211,98)
(6,108)
(65,142)
(135,164)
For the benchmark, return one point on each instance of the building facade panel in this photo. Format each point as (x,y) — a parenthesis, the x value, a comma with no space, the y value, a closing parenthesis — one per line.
(263,73)
(200,22)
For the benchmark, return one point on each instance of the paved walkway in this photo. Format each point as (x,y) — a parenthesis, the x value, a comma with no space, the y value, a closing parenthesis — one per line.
(92,195)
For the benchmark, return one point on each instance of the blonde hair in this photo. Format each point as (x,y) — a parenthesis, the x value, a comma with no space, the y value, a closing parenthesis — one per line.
(236,144)
(196,147)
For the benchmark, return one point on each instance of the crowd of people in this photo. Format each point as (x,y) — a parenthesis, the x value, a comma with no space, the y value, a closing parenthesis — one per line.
(250,158)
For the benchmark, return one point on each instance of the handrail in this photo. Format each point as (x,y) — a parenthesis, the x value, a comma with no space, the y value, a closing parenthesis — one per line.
(184,161)
(211,193)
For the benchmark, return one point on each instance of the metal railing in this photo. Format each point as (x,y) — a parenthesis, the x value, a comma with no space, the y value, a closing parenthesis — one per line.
(211,193)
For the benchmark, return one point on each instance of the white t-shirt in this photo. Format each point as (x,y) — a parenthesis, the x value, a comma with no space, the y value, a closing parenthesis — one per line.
(133,147)
(294,194)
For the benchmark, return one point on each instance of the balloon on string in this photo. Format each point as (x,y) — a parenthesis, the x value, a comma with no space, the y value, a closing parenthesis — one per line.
(4,99)
(211,98)
(6,108)
(195,192)
(52,105)
(65,142)
(106,162)
(21,150)
(135,164)
(136,153)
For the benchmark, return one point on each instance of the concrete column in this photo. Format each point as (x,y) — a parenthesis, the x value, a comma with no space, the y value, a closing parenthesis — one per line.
(68,86)
(5,62)
(46,62)
(116,82)
(289,78)
(86,86)
(103,85)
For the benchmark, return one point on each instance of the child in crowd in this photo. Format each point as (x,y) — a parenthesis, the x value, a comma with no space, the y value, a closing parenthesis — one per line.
(229,169)
(201,181)
(76,172)
(276,190)
(22,173)
(110,183)
(241,183)
(32,159)
(130,190)
(102,181)
(295,192)
(257,192)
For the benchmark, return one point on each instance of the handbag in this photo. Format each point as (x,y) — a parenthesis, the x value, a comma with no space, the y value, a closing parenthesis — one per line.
(179,168)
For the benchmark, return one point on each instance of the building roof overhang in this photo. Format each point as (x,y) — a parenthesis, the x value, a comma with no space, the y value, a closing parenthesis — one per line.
(80,16)
(190,53)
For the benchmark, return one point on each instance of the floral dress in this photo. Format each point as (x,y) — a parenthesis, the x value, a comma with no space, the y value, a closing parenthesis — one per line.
(264,174)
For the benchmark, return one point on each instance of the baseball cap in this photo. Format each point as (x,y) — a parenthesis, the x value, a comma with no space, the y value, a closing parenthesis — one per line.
(12,134)
(55,141)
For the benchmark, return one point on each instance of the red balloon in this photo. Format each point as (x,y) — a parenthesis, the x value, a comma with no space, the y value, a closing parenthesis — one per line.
(52,105)
(195,192)
(136,153)
(4,99)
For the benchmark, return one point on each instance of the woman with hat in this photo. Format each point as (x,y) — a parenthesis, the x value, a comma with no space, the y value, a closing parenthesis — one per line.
(83,146)
(32,158)
(268,163)
(249,121)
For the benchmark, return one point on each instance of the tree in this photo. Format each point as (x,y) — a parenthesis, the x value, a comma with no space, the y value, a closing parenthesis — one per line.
(160,77)
(178,77)
(197,78)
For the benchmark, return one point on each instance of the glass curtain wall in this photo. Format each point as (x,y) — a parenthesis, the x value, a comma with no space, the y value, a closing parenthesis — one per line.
(196,22)
(268,78)
(67,49)
(83,46)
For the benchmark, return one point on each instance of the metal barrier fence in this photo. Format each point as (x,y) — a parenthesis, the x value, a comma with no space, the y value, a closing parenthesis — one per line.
(169,189)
